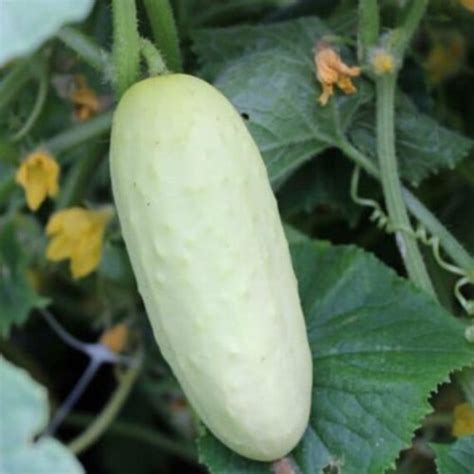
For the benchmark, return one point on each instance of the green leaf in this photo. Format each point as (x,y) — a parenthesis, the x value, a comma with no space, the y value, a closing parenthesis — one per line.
(466,381)
(316,184)
(380,347)
(268,73)
(222,460)
(456,458)
(115,264)
(260,67)
(24,27)
(23,415)
(205,13)
(7,183)
(17,297)
(423,145)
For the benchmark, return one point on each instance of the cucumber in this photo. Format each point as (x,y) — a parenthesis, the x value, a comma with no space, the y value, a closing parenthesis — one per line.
(206,243)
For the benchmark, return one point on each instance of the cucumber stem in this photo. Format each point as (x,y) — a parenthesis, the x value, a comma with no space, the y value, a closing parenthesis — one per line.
(126,48)
(165,33)
(153,58)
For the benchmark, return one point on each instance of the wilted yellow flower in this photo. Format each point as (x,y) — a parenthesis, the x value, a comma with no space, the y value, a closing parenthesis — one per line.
(463,420)
(331,70)
(38,175)
(382,61)
(115,338)
(77,234)
(445,58)
(84,99)
(469,4)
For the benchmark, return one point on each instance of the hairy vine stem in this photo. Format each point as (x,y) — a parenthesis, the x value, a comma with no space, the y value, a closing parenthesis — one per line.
(87,49)
(412,16)
(369,27)
(165,34)
(411,255)
(153,58)
(126,49)
(108,414)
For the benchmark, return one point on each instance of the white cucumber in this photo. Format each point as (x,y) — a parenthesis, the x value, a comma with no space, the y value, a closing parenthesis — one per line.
(211,260)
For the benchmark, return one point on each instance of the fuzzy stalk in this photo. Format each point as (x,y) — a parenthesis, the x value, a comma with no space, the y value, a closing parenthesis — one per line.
(165,33)
(126,47)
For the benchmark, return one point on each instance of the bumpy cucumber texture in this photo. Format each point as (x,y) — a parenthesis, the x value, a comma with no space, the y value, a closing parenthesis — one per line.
(211,260)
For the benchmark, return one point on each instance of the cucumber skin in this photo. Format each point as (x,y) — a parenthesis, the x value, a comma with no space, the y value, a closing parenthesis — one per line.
(211,261)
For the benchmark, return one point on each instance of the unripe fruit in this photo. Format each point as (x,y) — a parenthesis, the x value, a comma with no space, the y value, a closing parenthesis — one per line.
(211,260)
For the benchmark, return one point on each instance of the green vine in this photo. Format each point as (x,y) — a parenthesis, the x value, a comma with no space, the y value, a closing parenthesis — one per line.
(14,80)
(126,49)
(108,414)
(37,107)
(390,179)
(80,133)
(369,27)
(450,244)
(87,49)
(75,184)
(165,34)
(382,221)
(412,15)
(134,431)
(153,58)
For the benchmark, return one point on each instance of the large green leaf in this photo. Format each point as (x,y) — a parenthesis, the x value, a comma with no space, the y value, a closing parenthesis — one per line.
(17,297)
(423,145)
(23,414)
(209,12)
(268,73)
(456,458)
(380,347)
(316,184)
(26,24)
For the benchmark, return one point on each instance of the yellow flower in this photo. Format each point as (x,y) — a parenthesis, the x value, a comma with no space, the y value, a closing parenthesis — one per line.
(382,62)
(463,420)
(77,234)
(115,338)
(331,70)
(38,175)
(445,58)
(469,4)
(84,99)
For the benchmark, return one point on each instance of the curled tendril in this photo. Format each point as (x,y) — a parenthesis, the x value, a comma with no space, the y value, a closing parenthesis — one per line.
(377,216)
(382,221)
(467,304)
